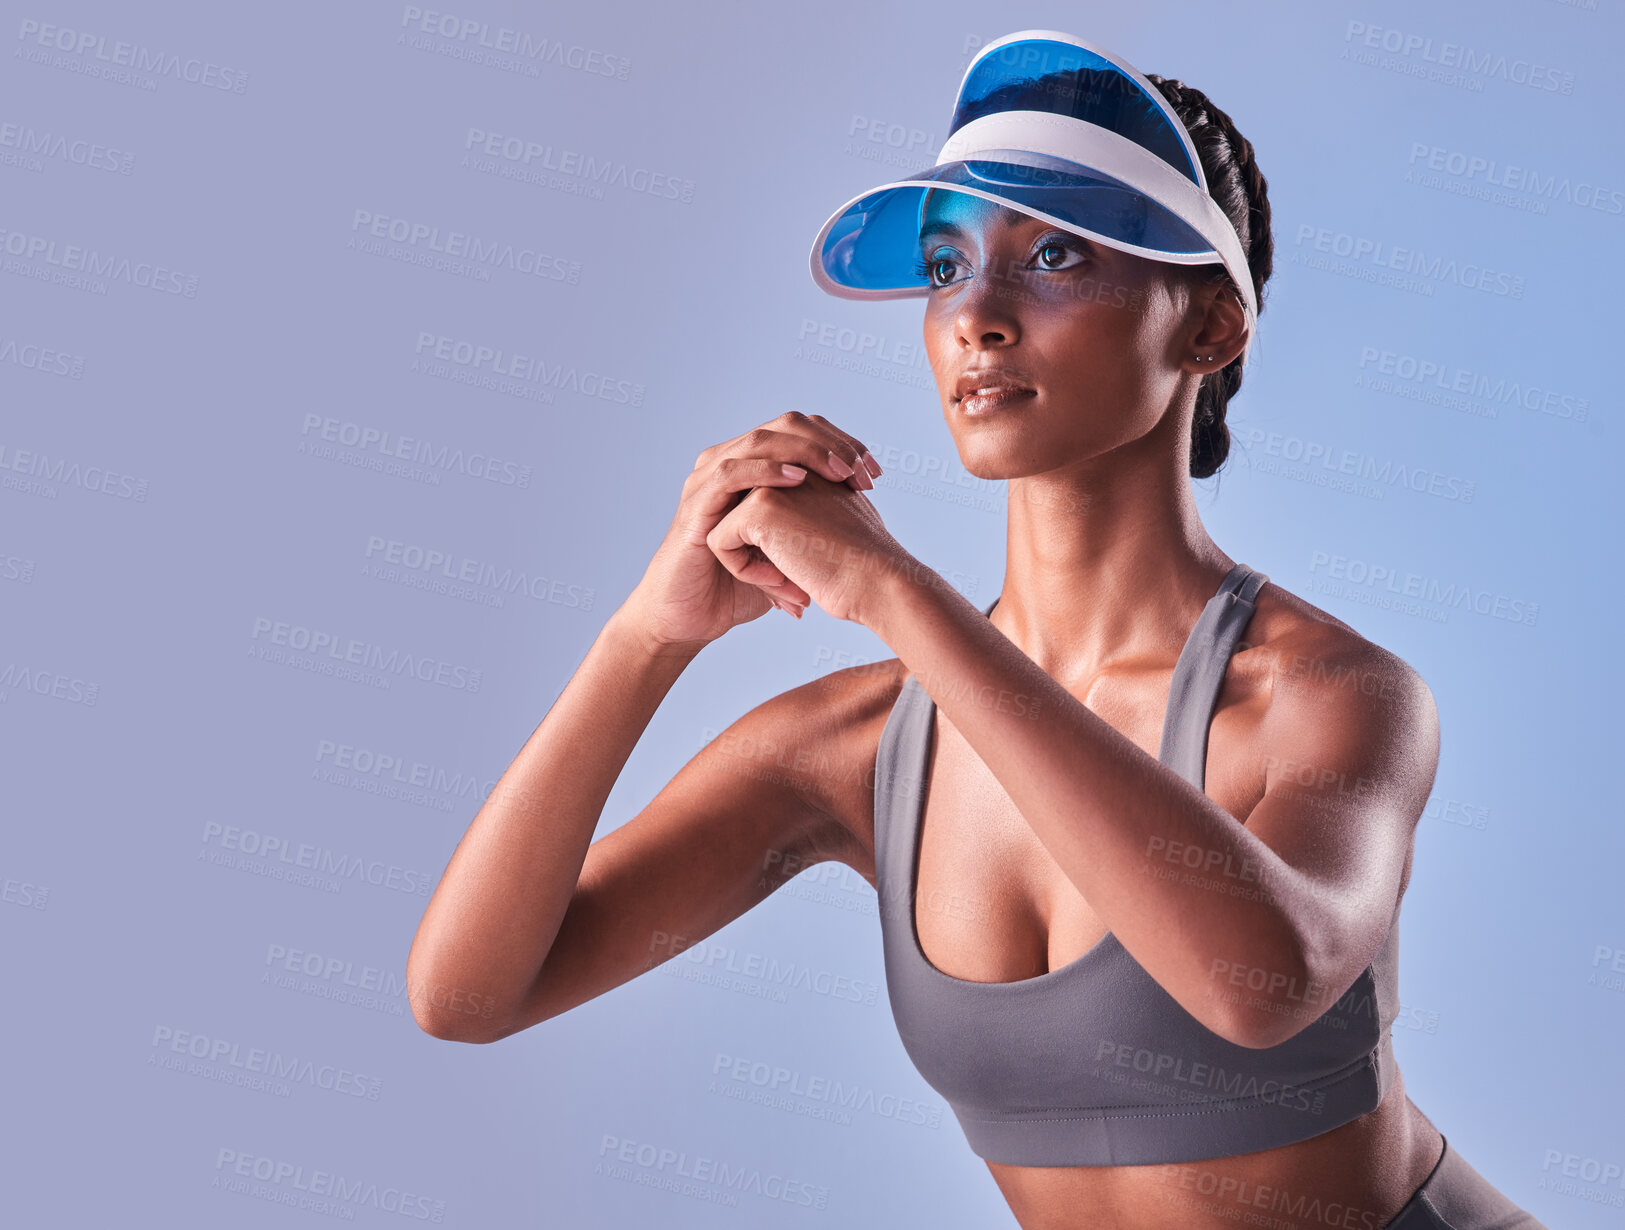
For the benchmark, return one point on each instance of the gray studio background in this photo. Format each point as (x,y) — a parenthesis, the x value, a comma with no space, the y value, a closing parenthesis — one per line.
(260,408)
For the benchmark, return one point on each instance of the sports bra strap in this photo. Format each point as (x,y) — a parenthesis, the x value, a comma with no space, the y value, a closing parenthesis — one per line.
(1199,674)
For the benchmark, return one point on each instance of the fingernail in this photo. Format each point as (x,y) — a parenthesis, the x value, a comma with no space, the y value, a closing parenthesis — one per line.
(840,467)
(793,471)
(874,466)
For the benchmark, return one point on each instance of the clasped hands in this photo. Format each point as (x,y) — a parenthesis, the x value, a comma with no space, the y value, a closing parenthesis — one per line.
(775,517)
(816,538)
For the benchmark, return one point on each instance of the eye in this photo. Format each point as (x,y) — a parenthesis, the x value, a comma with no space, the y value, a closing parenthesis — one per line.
(1054,244)
(927,269)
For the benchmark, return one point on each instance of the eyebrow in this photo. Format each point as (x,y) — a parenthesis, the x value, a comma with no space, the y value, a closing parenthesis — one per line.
(949,228)
(940,228)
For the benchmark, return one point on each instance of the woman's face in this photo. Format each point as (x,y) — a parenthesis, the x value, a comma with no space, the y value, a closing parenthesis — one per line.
(1101,337)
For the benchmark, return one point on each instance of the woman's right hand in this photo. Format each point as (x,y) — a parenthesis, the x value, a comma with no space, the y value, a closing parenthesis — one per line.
(687,598)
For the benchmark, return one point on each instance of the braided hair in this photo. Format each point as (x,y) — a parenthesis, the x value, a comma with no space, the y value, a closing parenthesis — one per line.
(1239,188)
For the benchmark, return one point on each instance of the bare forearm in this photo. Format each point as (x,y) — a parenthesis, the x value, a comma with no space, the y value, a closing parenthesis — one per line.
(493,918)
(1108,813)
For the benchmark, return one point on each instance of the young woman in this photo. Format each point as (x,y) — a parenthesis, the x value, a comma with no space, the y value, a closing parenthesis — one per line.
(1169,807)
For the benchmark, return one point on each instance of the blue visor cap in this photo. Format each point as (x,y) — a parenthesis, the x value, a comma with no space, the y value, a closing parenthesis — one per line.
(1065,132)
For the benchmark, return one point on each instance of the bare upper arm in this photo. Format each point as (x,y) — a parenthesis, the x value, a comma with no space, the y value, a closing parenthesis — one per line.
(1352,734)
(749,811)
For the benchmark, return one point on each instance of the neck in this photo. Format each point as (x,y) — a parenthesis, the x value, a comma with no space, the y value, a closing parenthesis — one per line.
(1106,563)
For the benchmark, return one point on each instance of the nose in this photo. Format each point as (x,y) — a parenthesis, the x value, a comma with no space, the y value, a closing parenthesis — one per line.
(983,316)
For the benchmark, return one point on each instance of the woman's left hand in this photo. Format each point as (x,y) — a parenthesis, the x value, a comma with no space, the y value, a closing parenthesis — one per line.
(825,538)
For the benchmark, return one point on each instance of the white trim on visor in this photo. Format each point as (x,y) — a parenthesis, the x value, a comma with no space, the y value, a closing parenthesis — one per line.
(1101,149)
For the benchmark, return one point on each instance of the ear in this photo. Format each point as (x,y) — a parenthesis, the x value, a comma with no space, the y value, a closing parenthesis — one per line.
(1221,332)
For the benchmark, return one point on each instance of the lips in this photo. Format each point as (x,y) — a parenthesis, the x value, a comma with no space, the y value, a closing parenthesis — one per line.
(990,380)
(976,405)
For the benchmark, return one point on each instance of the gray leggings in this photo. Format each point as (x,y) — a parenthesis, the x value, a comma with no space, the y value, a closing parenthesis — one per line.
(1457,1197)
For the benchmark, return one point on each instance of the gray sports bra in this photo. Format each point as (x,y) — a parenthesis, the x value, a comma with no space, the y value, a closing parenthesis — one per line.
(1094,1064)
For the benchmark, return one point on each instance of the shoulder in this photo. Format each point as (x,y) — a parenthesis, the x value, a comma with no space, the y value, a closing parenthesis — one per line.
(1328,691)
(1307,654)
(823,737)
